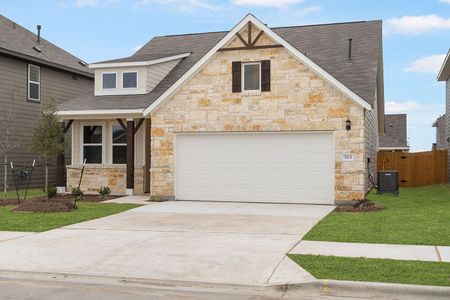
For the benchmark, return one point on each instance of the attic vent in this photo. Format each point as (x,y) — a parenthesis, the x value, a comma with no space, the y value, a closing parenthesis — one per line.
(350,40)
(37,49)
(82,63)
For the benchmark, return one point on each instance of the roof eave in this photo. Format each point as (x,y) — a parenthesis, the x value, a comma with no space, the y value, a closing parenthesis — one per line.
(99,114)
(444,72)
(45,62)
(138,63)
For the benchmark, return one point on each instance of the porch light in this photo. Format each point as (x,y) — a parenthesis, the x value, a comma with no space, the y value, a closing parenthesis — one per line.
(348,124)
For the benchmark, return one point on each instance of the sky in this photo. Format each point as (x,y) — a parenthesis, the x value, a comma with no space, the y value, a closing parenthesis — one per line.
(416,36)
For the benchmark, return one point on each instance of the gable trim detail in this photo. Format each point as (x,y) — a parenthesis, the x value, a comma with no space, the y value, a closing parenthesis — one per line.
(228,37)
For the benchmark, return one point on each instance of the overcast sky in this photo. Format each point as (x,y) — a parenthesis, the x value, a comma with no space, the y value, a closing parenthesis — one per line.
(416,36)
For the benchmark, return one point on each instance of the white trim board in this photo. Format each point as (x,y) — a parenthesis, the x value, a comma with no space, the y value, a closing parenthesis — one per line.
(228,37)
(138,63)
(444,64)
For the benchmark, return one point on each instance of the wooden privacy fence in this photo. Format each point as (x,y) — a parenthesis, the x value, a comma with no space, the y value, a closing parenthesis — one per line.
(416,169)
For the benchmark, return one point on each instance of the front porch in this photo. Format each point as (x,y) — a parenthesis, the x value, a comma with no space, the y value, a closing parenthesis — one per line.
(114,152)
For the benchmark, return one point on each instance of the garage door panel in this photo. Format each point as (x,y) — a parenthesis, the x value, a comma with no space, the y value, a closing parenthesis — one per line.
(255,167)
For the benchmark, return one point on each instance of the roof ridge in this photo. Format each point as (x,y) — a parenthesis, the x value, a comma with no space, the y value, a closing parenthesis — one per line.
(280,27)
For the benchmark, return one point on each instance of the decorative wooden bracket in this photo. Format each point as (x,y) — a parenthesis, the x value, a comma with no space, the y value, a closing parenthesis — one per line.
(135,129)
(67,126)
(249,43)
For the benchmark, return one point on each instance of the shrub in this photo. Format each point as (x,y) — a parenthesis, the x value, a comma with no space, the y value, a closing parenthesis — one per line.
(51,191)
(77,193)
(104,192)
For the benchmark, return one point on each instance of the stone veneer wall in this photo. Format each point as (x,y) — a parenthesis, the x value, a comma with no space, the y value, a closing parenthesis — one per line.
(298,101)
(96,177)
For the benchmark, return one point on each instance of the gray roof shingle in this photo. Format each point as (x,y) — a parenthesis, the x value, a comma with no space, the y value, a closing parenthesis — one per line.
(18,41)
(326,45)
(395,132)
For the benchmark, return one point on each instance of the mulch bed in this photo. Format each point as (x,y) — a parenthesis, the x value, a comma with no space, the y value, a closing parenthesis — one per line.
(54,204)
(361,206)
(58,203)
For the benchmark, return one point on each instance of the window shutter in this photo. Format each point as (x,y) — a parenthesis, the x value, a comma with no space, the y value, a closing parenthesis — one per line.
(265,76)
(236,80)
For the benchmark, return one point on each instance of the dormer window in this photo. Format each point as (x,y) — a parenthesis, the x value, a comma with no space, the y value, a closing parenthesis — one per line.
(109,81)
(129,80)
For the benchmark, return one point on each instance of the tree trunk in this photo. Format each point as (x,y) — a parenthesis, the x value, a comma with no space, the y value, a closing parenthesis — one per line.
(5,177)
(46,178)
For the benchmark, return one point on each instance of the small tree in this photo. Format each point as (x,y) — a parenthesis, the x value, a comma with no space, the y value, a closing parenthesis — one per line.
(47,136)
(8,140)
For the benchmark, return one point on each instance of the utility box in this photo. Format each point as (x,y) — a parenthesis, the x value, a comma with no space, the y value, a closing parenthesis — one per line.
(388,182)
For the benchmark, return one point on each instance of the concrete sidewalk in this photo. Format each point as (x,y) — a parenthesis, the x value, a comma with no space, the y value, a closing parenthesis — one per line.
(384,251)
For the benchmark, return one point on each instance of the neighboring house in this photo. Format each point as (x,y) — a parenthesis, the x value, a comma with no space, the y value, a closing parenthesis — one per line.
(36,71)
(394,138)
(439,124)
(444,75)
(257,114)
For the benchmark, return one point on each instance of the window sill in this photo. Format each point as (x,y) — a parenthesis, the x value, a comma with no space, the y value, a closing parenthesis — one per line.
(251,93)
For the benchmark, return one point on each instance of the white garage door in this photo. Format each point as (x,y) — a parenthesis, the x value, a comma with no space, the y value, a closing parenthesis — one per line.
(255,167)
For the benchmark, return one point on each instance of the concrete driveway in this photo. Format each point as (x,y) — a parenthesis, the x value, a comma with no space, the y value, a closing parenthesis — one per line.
(207,242)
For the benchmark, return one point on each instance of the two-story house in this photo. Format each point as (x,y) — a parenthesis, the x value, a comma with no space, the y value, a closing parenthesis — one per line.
(258,114)
(444,75)
(32,72)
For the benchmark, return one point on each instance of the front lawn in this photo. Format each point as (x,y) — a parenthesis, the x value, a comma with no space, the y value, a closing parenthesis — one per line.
(418,216)
(375,270)
(32,193)
(36,222)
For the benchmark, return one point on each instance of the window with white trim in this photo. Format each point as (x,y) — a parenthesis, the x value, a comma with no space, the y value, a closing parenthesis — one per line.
(130,80)
(251,81)
(93,144)
(34,83)
(109,81)
(119,145)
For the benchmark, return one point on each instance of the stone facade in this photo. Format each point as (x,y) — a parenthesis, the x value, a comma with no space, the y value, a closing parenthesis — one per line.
(299,100)
(99,176)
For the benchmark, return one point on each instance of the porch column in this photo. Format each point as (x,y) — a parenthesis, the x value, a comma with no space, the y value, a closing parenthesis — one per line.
(61,178)
(130,157)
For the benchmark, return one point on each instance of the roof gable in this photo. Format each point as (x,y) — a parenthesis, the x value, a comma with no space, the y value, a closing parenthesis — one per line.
(276,38)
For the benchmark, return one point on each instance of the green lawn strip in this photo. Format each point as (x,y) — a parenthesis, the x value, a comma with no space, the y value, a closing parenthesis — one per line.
(419,216)
(375,270)
(32,193)
(37,222)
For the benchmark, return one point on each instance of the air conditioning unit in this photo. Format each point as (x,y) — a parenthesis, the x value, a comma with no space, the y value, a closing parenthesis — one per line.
(388,182)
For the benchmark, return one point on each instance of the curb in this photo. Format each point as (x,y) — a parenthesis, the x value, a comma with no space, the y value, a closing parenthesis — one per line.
(368,290)
(336,288)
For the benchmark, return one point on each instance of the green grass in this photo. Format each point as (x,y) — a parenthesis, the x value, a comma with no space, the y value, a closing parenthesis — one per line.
(375,270)
(37,222)
(419,216)
(32,193)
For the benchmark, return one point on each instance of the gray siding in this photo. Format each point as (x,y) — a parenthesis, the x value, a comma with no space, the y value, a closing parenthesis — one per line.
(156,73)
(447,123)
(55,84)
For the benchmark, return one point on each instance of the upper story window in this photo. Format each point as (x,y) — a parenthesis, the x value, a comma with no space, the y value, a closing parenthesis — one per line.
(252,76)
(34,83)
(129,80)
(109,80)
(119,145)
(93,144)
